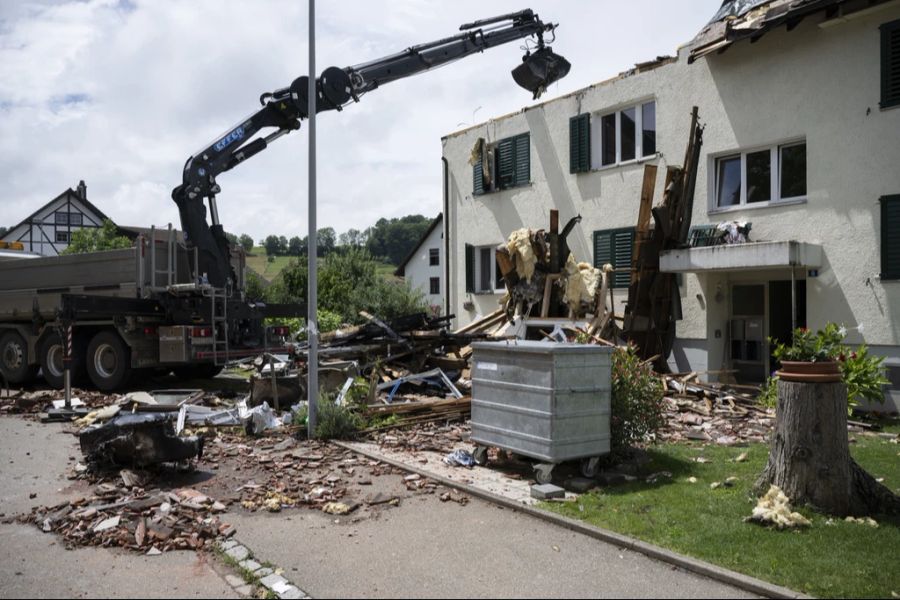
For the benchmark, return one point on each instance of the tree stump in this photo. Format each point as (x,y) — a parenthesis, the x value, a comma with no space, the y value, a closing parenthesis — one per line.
(810,458)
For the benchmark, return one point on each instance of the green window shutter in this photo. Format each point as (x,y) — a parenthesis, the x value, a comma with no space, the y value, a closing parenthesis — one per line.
(523,159)
(580,143)
(614,246)
(890,237)
(506,163)
(890,64)
(478,179)
(470,268)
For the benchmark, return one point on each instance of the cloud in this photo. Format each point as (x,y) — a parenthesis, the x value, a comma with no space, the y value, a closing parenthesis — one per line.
(121,93)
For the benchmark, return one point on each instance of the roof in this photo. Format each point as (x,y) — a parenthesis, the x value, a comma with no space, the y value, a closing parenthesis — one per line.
(401,270)
(741,19)
(68,192)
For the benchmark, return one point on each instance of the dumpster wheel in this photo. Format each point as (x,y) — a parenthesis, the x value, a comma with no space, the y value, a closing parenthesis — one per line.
(543,472)
(480,455)
(590,466)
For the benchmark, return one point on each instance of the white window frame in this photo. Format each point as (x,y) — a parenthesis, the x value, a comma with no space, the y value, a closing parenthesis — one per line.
(775,198)
(477,267)
(597,134)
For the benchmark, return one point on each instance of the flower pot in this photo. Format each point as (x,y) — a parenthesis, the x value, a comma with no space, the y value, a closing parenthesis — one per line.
(810,372)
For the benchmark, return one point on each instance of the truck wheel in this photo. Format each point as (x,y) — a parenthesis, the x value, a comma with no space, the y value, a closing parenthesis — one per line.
(108,361)
(51,353)
(14,359)
(205,371)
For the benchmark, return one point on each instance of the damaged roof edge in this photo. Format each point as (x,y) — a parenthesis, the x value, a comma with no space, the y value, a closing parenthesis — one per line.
(638,68)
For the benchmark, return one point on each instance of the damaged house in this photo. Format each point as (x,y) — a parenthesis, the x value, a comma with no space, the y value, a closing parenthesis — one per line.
(796,210)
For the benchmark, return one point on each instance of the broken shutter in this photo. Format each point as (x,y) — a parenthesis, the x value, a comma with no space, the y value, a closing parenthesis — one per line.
(580,143)
(477,179)
(470,268)
(890,64)
(514,161)
(614,246)
(890,237)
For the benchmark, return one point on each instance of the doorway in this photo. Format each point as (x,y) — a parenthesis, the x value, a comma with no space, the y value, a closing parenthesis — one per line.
(780,318)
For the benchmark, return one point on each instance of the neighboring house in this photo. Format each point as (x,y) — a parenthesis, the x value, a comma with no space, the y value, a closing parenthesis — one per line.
(48,230)
(424,267)
(801,107)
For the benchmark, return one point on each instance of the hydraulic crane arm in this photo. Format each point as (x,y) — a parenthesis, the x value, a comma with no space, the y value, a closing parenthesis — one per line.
(283,110)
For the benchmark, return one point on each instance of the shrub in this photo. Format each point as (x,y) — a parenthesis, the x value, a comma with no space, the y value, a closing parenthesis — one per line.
(335,422)
(637,399)
(96,239)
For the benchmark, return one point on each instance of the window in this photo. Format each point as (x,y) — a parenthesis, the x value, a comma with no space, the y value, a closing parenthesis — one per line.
(62,237)
(482,274)
(890,237)
(580,143)
(75,219)
(761,176)
(434,257)
(67,218)
(625,135)
(62,218)
(435,284)
(890,64)
(503,165)
(614,246)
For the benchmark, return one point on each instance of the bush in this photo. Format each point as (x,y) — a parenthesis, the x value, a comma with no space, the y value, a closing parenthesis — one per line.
(97,239)
(335,422)
(637,399)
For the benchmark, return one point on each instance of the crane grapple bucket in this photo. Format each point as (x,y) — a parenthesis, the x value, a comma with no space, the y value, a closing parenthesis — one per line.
(540,69)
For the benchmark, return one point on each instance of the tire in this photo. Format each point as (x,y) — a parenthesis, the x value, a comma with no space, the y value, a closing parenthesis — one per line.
(108,361)
(50,355)
(202,371)
(590,467)
(14,359)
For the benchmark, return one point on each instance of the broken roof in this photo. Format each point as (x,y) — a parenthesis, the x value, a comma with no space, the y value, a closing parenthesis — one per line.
(740,19)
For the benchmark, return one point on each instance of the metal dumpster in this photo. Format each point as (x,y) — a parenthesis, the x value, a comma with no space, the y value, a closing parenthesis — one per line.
(543,400)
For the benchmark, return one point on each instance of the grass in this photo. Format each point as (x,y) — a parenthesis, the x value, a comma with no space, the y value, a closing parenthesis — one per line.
(832,558)
(258,260)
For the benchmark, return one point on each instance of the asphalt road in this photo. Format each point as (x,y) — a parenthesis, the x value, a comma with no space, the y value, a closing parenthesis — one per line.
(421,548)
(428,548)
(33,460)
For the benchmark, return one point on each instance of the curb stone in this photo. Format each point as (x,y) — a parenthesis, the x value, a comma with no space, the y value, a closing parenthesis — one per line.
(273,582)
(693,565)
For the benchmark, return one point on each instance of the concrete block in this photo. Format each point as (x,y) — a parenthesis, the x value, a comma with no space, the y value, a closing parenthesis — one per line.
(270,581)
(547,491)
(291,593)
(250,564)
(263,572)
(238,553)
(227,545)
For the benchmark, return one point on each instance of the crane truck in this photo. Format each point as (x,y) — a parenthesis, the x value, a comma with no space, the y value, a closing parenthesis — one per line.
(172,304)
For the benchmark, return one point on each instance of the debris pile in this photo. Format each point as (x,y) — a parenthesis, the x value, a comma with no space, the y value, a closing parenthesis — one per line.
(152,521)
(713,412)
(774,509)
(20,402)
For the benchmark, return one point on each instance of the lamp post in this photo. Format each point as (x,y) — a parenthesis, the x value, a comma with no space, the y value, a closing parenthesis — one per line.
(312,326)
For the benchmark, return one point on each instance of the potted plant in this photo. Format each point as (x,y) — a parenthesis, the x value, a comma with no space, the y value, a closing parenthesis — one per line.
(811,357)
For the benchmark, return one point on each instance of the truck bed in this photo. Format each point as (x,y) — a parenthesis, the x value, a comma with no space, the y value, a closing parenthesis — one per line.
(35,285)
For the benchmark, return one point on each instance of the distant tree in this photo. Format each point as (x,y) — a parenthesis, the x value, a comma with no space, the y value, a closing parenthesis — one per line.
(246,242)
(273,245)
(232,239)
(325,241)
(3,231)
(297,246)
(282,245)
(353,238)
(254,285)
(393,239)
(95,239)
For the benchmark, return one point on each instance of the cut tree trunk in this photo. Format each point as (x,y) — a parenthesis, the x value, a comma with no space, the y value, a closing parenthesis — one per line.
(810,454)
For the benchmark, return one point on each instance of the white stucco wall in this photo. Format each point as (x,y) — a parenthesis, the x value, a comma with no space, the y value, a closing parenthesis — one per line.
(418,271)
(817,83)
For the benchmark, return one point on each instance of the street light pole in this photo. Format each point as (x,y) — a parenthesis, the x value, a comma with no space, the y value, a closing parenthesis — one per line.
(312,326)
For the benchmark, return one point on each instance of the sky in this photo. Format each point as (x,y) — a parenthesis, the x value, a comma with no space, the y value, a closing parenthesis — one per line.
(120,93)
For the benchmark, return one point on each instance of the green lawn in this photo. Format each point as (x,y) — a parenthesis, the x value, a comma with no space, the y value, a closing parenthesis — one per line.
(258,260)
(832,558)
